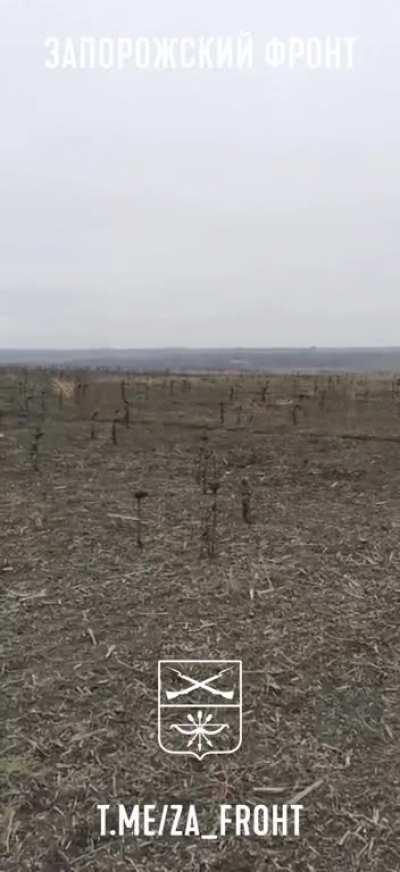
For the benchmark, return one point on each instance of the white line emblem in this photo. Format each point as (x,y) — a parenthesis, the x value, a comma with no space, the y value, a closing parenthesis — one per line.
(200,706)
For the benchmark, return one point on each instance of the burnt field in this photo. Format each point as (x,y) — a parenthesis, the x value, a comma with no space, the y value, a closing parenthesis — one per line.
(228,517)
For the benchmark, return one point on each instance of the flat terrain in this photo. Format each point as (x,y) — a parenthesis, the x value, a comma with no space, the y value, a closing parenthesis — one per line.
(184,360)
(307,595)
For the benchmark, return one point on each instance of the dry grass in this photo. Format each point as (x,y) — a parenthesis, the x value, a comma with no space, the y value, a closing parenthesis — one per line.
(63,385)
(307,595)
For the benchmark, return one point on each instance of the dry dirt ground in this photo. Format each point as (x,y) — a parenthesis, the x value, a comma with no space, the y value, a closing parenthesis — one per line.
(307,595)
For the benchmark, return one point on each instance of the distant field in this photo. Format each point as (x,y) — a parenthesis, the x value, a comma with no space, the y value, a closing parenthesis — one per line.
(301,583)
(312,360)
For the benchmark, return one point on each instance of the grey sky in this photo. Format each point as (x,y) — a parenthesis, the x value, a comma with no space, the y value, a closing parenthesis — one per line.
(199,208)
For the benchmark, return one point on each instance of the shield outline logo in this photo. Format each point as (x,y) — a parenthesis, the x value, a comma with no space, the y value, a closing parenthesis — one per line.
(237,705)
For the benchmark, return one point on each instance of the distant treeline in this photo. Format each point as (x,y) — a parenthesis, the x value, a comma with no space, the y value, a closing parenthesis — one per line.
(274,360)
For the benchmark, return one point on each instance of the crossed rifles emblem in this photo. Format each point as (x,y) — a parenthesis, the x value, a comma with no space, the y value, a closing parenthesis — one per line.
(207,684)
(202,714)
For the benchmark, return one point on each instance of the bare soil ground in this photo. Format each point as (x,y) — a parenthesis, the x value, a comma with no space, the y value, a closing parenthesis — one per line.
(307,595)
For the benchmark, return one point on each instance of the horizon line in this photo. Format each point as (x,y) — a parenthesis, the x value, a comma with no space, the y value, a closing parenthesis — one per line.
(186,348)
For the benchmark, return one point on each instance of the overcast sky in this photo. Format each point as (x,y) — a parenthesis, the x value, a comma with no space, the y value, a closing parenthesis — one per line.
(199,208)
